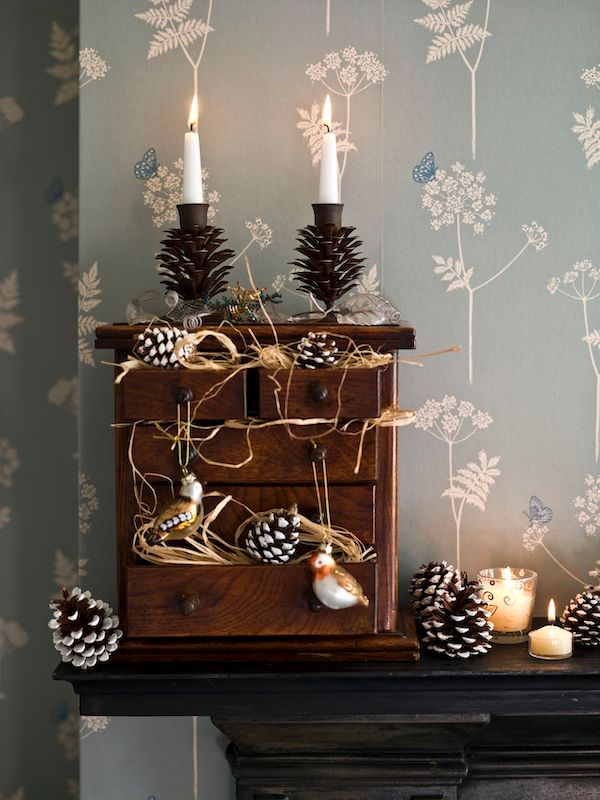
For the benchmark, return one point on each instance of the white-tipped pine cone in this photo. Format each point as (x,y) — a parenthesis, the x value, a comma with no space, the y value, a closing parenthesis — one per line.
(582,618)
(274,537)
(84,630)
(317,350)
(428,582)
(156,346)
(457,624)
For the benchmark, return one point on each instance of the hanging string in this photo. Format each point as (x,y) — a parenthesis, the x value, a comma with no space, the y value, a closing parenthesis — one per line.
(326,520)
(184,431)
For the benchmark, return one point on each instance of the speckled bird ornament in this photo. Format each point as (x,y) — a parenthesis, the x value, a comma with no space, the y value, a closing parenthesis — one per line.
(333,586)
(179,514)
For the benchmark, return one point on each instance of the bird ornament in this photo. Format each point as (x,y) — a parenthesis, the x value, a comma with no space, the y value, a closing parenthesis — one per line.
(333,586)
(178,515)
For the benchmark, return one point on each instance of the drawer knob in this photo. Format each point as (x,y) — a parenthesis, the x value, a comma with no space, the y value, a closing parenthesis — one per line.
(318,453)
(184,395)
(188,603)
(314,516)
(319,393)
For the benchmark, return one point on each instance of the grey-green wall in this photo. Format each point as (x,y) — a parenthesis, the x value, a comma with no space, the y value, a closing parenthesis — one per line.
(532,373)
(38,398)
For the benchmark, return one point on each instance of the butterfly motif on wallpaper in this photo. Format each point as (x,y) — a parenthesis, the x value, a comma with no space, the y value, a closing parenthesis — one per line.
(425,169)
(147,166)
(538,512)
(55,191)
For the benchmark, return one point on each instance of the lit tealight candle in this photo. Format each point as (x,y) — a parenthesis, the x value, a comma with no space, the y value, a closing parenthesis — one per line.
(329,178)
(551,642)
(192,165)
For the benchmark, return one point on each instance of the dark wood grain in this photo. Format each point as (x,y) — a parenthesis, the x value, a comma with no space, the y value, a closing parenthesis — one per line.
(352,507)
(240,600)
(326,393)
(279,473)
(155,394)
(385,338)
(386,534)
(275,458)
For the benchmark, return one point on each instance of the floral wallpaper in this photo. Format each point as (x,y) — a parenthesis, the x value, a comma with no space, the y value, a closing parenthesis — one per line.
(39,394)
(468,145)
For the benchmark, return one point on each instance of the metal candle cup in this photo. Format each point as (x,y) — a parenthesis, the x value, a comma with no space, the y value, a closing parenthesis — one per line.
(510,595)
(551,643)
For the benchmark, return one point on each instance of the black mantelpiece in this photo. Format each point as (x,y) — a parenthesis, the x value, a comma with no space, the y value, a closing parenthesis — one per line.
(503,726)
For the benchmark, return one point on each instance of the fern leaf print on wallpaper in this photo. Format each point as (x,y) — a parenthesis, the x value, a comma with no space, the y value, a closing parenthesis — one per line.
(587,127)
(455,34)
(175,29)
(454,422)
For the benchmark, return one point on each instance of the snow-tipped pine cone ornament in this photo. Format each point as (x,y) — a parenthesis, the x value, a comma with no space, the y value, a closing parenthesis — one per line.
(84,630)
(273,538)
(428,582)
(317,350)
(582,618)
(156,346)
(457,624)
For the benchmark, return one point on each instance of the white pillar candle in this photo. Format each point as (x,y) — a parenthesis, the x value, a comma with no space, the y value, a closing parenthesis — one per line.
(329,178)
(192,165)
(551,642)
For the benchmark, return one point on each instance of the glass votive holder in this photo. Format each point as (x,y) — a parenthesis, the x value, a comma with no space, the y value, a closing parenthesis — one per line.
(510,595)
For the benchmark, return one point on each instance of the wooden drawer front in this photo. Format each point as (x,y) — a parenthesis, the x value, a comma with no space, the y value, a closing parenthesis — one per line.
(352,507)
(240,601)
(324,393)
(154,394)
(276,459)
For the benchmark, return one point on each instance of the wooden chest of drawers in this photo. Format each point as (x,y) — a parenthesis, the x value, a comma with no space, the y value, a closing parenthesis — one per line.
(244,609)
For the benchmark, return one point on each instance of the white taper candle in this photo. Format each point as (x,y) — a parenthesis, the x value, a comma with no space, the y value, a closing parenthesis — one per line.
(329,178)
(192,164)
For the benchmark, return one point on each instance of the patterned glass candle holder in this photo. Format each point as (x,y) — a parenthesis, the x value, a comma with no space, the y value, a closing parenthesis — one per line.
(510,596)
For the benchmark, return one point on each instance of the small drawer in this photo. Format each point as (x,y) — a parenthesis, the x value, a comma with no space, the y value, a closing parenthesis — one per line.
(352,507)
(154,394)
(323,393)
(239,601)
(276,457)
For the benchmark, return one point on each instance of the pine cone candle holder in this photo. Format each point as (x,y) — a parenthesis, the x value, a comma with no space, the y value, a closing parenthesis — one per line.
(428,582)
(273,538)
(457,625)
(582,618)
(84,630)
(156,346)
(192,261)
(317,350)
(331,265)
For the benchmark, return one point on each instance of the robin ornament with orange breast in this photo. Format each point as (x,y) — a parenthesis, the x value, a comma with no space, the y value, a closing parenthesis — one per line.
(178,515)
(333,586)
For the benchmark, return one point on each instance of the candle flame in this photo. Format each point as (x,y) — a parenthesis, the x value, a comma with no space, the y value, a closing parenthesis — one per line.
(193,118)
(506,573)
(551,611)
(326,118)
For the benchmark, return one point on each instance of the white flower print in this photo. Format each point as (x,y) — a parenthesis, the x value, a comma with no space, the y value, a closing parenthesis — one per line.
(581,283)
(459,198)
(453,422)
(345,73)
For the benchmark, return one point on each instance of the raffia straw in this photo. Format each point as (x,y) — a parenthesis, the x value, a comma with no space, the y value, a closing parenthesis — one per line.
(414,361)
(391,417)
(202,546)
